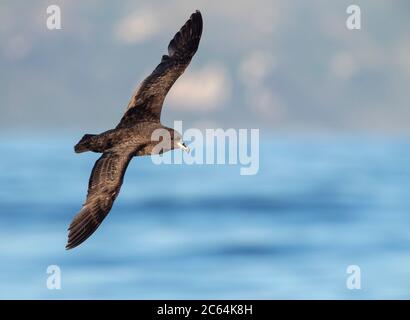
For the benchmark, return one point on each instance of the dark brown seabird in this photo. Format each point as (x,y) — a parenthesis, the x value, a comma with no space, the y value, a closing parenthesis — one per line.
(132,136)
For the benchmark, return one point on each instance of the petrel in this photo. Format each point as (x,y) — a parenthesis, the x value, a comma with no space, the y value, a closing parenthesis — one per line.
(132,136)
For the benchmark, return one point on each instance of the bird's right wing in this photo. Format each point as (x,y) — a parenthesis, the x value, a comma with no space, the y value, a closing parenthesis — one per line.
(104,185)
(146,104)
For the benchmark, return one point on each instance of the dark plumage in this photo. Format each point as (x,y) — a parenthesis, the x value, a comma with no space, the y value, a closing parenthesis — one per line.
(132,136)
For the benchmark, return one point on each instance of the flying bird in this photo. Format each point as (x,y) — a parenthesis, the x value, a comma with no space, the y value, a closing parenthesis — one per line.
(132,136)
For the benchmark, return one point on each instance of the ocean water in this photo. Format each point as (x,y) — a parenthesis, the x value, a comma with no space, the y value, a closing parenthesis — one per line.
(206,232)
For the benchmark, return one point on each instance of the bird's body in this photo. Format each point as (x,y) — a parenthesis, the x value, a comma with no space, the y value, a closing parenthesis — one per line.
(136,138)
(133,136)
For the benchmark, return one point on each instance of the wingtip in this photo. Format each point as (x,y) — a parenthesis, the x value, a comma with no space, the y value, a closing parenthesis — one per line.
(197,15)
(73,242)
(69,245)
(197,21)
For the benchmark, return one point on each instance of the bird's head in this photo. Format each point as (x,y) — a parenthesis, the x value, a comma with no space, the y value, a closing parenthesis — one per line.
(177,141)
(171,139)
(166,139)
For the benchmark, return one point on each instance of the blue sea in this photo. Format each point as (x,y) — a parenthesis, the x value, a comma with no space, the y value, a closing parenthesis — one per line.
(317,206)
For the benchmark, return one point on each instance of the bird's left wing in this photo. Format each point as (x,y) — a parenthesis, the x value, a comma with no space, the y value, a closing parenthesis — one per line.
(104,185)
(146,104)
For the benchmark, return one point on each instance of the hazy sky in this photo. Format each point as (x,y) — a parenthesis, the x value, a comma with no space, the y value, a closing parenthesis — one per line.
(278,64)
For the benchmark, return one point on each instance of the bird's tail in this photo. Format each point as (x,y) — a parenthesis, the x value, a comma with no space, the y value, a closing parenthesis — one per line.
(84,144)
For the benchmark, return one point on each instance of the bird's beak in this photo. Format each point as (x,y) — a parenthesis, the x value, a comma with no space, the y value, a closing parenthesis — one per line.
(183,146)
